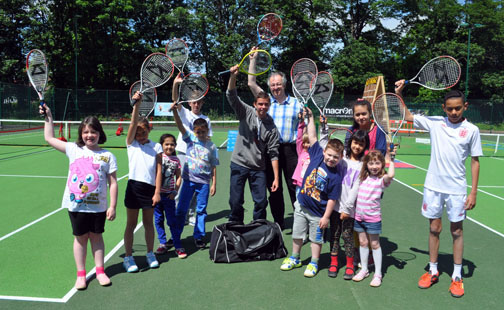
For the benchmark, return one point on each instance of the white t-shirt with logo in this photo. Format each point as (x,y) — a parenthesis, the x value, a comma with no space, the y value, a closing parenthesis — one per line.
(86,188)
(451,144)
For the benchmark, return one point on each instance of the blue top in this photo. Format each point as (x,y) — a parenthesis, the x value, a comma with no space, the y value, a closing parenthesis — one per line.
(285,116)
(320,183)
(201,157)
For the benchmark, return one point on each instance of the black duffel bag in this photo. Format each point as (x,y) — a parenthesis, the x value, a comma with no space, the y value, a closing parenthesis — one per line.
(234,242)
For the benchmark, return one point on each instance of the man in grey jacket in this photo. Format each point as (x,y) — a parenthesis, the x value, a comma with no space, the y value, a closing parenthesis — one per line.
(257,136)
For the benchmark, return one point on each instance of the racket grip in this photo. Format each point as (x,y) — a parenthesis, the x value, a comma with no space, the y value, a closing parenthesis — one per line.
(406,82)
(43,108)
(224,74)
(133,102)
(392,156)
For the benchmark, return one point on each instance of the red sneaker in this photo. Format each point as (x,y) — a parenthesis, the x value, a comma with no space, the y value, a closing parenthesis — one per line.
(457,288)
(427,279)
(181,253)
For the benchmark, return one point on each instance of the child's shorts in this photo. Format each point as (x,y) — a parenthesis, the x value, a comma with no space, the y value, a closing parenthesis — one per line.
(370,228)
(84,222)
(139,195)
(433,202)
(303,221)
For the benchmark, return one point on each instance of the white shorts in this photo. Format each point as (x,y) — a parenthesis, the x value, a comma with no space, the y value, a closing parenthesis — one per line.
(433,202)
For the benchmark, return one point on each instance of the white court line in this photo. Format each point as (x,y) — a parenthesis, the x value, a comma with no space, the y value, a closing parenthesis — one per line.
(30,224)
(32,176)
(496,158)
(469,218)
(73,290)
(479,190)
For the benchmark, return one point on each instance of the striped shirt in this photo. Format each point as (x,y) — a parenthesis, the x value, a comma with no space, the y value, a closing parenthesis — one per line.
(368,200)
(285,116)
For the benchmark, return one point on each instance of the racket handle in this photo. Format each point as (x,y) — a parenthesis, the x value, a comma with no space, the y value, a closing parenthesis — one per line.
(224,74)
(43,108)
(406,82)
(392,156)
(133,102)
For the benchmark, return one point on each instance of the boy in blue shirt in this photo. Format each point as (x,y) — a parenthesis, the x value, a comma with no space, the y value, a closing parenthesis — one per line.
(200,177)
(320,190)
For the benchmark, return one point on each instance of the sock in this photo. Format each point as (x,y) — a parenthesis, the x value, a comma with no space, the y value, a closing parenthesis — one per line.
(433,267)
(457,271)
(334,260)
(295,255)
(377,256)
(349,261)
(364,254)
(314,260)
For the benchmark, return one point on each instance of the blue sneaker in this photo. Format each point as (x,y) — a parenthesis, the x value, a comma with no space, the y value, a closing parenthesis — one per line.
(290,263)
(129,264)
(311,270)
(151,260)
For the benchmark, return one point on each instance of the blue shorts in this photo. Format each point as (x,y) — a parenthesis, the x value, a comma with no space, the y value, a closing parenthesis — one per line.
(370,228)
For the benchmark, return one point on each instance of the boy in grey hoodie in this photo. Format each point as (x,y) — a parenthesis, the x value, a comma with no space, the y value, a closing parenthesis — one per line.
(257,136)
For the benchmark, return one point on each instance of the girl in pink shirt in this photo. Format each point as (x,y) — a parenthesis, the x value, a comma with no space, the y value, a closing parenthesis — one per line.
(373,179)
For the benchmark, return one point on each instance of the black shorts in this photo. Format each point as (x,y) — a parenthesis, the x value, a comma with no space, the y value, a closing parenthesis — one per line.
(84,222)
(139,195)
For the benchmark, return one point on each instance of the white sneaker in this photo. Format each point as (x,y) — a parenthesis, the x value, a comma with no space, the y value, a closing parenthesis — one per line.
(129,264)
(151,260)
(192,220)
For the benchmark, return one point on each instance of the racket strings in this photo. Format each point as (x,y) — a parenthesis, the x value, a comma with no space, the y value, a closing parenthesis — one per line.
(149,97)
(386,110)
(37,70)
(323,89)
(441,73)
(178,51)
(157,69)
(193,88)
(262,62)
(303,83)
(269,27)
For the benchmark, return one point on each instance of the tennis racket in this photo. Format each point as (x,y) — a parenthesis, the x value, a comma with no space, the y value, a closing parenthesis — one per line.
(37,70)
(156,70)
(339,133)
(268,27)
(439,73)
(303,78)
(323,91)
(178,51)
(255,62)
(149,98)
(193,87)
(389,108)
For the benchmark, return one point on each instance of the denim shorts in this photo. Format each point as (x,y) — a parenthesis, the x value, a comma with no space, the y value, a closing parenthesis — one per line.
(370,228)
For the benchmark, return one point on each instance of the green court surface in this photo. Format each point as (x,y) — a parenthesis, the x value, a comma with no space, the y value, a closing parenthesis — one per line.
(38,270)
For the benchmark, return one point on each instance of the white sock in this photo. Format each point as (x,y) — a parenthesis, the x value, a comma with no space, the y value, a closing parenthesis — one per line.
(457,271)
(433,267)
(377,256)
(364,255)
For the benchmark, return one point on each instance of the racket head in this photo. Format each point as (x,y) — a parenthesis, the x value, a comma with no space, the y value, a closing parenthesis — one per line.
(149,97)
(178,51)
(262,62)
(389,108)
(439,73)
(339,133)
(156,70)
(193,87)
(269,27)
(323,90)
(37,71)
(303,77)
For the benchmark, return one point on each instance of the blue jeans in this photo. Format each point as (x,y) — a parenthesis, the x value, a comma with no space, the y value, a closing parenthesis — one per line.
(186,193)
(166,207)
(257,185)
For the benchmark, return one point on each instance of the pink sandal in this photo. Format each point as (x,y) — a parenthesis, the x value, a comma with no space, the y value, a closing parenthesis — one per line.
(102,277)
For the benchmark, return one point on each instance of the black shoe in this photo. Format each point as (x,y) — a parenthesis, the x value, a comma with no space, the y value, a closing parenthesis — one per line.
(333,271)
(200,244)
(169,244)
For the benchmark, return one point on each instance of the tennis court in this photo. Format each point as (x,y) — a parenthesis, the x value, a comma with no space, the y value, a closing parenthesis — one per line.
(38,270)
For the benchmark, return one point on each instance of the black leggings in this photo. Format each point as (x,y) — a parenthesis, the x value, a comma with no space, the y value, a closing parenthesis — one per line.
(338,228)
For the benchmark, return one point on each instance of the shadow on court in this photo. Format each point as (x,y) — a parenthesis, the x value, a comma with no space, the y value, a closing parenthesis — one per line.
(445,263)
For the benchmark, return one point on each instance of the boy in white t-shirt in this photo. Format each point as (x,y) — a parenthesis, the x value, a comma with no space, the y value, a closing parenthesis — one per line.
(453,139)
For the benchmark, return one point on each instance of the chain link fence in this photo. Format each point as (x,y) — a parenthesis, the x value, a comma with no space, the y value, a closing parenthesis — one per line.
(21,102)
